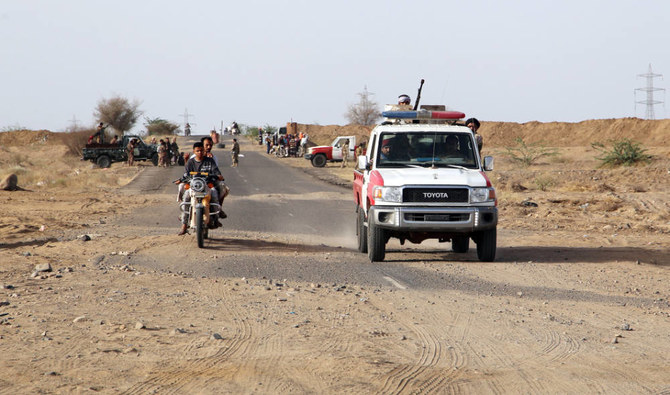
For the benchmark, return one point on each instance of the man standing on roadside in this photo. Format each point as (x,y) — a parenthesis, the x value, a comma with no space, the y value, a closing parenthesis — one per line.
(130,151)
(235,152)
(345,153)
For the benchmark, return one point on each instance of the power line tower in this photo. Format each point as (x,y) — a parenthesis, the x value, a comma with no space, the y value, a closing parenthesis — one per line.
(186,115)
(649,90)
(74,123)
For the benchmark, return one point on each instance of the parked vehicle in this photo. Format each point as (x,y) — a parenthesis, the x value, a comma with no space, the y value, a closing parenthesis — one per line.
(422,178)
(203,212)
(320,155)
(105,154)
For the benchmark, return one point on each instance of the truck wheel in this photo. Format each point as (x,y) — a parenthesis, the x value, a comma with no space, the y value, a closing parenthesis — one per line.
(486,245)
(460,244)
(103,161)
(376,243)
(361,232)
(319,160)
(154,159)
(199,227)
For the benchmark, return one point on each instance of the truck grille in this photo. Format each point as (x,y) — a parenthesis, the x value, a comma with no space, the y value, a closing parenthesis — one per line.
(424,217)
(435,195)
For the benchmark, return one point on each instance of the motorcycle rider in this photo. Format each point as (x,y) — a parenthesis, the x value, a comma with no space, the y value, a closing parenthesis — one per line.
(199,163)
(221,187)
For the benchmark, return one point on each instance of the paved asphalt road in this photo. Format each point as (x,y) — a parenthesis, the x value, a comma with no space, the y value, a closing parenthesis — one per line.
(265,197)
(268,198)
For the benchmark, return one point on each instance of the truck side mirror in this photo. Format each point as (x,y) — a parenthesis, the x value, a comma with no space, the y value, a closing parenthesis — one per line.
(488,163)
(363,163)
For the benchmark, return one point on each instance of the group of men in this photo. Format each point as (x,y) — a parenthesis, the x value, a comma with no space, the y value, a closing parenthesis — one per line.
(168,152)
(294,144)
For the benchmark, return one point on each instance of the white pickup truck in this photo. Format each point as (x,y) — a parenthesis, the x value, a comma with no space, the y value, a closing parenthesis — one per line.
(321,154)
(422,178)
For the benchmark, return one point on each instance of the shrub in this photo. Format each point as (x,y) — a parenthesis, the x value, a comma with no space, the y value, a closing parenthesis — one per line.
(623,152)
(75,141)
(527,154)
(118,112)
(544,182)
(160,127)
(16,159)
(12,128)
(365,112)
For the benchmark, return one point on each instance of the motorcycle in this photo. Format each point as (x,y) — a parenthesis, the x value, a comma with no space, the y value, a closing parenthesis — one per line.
(203,211)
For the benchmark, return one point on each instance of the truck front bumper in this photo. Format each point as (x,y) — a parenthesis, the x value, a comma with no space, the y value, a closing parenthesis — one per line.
(309,156)
(434,219)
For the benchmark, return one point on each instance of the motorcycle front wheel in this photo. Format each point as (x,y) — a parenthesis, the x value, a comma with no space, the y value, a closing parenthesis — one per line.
(199,227)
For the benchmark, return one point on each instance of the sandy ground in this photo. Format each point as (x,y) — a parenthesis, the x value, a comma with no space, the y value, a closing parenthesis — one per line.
(577,301)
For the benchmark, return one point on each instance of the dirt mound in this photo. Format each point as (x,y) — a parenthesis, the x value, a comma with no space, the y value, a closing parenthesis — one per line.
(25,137)
(556,134)
(324,135)
(565,134)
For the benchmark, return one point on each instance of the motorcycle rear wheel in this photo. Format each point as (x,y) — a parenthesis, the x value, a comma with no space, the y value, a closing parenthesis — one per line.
(199,228)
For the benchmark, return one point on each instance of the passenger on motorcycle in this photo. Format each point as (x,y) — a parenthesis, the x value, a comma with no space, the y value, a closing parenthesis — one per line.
(199,163)
(221,186)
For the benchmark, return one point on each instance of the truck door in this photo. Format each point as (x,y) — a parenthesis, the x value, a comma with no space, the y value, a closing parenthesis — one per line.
(337,148)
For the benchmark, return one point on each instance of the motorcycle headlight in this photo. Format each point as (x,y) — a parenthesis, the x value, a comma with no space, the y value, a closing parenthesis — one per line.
(198,185)
(388,194)
(481,195)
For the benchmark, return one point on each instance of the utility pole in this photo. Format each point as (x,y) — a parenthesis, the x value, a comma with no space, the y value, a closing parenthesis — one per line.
(75,123)
(649,90)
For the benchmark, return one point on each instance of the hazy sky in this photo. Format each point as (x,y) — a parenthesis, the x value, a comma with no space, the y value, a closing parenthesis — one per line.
(269,62)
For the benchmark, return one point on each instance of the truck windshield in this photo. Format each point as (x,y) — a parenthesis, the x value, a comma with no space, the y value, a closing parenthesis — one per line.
(441,149)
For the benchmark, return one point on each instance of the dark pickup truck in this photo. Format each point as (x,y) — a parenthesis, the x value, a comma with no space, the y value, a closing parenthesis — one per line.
(104,154)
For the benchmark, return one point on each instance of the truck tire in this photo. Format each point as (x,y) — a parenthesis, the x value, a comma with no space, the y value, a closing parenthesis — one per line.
(361,232)
(376,243)
(486,245)
(103,161)
(154,159)
(460,244)
(199,227)
(319,160)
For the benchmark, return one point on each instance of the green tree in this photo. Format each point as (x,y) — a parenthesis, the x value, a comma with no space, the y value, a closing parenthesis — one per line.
(118,112)
(159,126)
(365,112)
(623,152)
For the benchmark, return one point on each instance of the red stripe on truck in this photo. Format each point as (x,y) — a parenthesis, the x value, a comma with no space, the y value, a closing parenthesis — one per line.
(376,179)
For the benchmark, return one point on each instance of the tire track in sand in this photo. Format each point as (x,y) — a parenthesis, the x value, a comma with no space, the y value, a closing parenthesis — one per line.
(175,378)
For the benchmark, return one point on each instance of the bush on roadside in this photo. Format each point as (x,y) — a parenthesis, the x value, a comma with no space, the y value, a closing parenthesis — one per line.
(160,127)
(75,141)
(12,128)
(527,154)
(118,112)
(544,182)
(622,152)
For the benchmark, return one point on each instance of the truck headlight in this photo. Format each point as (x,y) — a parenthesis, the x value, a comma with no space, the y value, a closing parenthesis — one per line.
(481,195)
(388,194)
